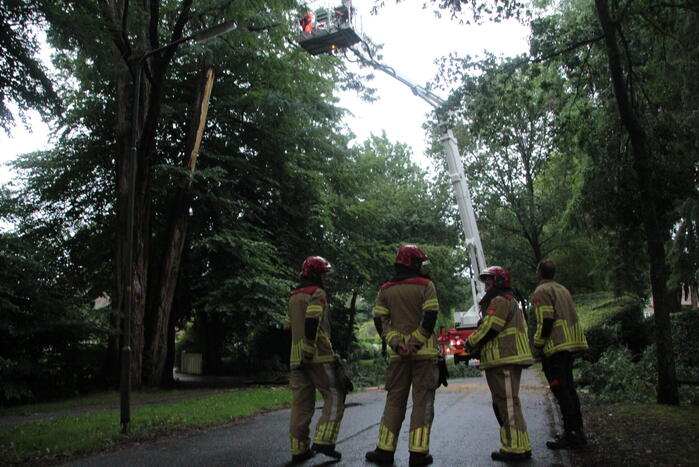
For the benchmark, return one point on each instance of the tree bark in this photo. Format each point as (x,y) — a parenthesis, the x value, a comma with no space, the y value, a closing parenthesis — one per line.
(164,290)
(655,236)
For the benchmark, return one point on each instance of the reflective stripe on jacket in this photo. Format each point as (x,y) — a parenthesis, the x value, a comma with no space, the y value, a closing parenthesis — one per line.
(553,301)
(511,344)
(401,307)
(309,302)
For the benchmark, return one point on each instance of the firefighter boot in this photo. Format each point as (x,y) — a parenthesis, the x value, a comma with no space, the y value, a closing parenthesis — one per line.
(420,458)
(298,458)
(327,449)
(510,456)
(569,440)
(380,457)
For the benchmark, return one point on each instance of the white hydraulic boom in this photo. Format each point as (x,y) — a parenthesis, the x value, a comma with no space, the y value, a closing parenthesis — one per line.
(458,181)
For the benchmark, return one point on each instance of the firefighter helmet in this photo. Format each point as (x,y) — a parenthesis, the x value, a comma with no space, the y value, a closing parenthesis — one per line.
(411,256)
(315,266)
(501,275)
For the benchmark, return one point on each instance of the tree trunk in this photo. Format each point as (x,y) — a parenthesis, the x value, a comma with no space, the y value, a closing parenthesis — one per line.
(662,302)
(164,291)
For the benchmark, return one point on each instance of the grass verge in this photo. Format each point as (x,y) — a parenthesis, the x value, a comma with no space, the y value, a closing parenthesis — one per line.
(47,440)
(630,434)
(95,399)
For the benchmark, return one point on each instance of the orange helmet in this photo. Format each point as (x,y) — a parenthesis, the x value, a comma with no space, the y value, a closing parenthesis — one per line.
(501,275)
(411,256)
(315,266)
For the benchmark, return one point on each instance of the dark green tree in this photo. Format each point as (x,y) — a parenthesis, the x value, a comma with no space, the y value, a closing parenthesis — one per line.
(24,81)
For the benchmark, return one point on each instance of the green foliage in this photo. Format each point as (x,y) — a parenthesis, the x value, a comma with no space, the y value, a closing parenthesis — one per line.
(368,373)
(612,321)
(513,127)
(50,342)
(623,374)
(462,370)
(614,377)
(23,78)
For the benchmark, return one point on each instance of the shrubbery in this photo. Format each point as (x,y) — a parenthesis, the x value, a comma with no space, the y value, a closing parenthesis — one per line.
(620,364)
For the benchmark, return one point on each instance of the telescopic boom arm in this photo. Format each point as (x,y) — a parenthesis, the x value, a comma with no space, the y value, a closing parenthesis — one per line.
(456,176)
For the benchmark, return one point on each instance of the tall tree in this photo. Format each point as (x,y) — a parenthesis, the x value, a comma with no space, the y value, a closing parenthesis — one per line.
(511,120)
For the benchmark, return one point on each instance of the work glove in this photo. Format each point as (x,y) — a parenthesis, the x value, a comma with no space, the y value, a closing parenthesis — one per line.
(443,372)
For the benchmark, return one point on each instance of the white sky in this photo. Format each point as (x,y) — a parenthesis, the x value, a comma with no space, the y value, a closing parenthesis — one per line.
(413,39)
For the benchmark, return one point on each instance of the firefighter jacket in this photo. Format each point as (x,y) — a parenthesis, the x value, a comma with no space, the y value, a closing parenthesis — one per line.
(510,344)
(401,306)
(310,326)
(553,301)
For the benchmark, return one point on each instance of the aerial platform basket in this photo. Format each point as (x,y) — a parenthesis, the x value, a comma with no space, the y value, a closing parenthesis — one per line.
(327,41)
(329,29)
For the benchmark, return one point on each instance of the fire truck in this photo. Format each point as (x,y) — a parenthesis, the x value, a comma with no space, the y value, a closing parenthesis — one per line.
(452,341)
(323,35)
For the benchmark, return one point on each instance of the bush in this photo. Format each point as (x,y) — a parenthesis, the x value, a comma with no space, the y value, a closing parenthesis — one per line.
(368,373)
(462,371)
(610,322)
(615,378)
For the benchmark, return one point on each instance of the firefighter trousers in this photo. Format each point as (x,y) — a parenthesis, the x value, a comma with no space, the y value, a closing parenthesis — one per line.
(503,382)
(304,382)
(423,376)
(558,369)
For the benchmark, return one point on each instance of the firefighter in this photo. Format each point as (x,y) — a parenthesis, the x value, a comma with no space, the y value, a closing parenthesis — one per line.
(559,336)
(502,342)
(405,314)
(306,23)
(313,366)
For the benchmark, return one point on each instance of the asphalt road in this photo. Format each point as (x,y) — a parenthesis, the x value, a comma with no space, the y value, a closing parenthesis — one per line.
(464,432)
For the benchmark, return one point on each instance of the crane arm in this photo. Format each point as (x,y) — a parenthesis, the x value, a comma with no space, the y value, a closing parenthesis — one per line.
(457,178)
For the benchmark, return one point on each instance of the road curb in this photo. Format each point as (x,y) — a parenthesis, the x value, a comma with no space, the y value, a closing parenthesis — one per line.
(554,411)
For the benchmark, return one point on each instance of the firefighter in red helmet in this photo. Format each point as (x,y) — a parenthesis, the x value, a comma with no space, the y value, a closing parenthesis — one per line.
(405,314)
(313,366)
(306,22)
(503,344)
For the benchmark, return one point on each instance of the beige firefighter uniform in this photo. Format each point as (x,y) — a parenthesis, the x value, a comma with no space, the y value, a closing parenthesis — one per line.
(400,307)
(503,357)
(553,301)
(313,366)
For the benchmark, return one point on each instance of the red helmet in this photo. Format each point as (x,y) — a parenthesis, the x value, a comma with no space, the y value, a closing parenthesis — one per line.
(502,276)
(411,256)
(314,266)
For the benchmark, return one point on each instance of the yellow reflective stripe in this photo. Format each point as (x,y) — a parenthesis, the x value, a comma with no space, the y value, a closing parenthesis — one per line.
(546,308)
(296,353)
(431,303)
(419,336)
(298,446)
(391,335)
(380,310)
(497,320)
(514,440)
(327,433)
(507,332)
(387,440)
(323,358)
(420,439)
(313,310)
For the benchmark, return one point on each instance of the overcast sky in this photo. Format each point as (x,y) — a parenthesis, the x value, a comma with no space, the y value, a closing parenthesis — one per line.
(413,39)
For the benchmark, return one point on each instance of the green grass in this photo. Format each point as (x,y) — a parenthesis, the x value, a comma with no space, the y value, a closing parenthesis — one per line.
(98,398)
(93,432)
